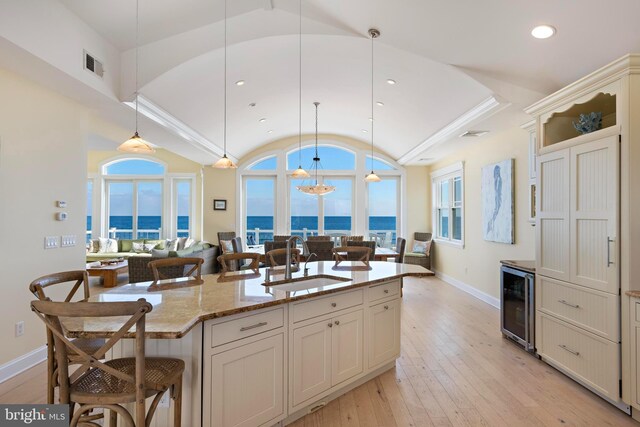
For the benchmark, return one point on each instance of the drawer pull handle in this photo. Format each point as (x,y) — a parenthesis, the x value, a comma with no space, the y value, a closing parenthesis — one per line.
(386,291)
(561,301)
(315,408)
(257,325)
(333,304)
(609,242)
(564,347)
(386,307)
(337,322)
(330,325)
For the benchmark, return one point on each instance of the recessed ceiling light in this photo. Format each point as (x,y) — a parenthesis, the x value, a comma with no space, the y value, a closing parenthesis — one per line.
(240,83)
(262,120)
(270,131)
(253,104)
(543,31)
(391,81)
(365,131)
(380,104)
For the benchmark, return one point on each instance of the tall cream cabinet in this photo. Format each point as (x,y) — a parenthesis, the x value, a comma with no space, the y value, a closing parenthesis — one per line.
(587,232)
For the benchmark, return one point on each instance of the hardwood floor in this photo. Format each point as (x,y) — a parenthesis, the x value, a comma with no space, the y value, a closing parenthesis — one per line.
(455,370)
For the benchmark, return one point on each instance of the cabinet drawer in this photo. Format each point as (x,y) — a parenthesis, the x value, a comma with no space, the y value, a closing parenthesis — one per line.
(325,305)
(595,311)
(385,290)
(225,332)
(588,357)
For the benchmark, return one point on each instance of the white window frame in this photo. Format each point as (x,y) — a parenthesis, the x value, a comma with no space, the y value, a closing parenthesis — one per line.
(359,221)
(100,219)
(449,173)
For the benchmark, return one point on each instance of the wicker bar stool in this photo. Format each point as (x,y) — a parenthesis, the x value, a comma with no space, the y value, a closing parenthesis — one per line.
(37,288)
(111,384)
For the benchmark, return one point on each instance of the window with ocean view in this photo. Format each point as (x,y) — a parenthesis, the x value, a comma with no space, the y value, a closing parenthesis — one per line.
(134,191)
(273,205)
(260,209)
(383,211)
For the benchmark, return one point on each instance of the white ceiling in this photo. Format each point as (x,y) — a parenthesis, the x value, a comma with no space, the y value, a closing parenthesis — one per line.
(446,56)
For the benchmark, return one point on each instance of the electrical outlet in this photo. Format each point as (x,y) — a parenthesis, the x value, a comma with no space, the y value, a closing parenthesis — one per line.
(20,328)
(164,401)
(68,240)
(51,242)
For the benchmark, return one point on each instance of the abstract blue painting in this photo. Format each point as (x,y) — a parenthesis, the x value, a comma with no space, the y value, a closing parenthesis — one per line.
(498,202)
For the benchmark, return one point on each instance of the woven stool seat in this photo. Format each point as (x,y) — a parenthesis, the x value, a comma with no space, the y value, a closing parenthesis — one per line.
(160,373)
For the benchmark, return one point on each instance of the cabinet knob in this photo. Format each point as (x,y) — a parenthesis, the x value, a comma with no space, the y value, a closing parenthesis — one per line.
(386,291)
(337,322)
(386,307)
(333,304)
(330,325)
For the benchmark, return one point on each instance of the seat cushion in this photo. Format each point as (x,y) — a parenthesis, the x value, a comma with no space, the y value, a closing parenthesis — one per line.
(415,254)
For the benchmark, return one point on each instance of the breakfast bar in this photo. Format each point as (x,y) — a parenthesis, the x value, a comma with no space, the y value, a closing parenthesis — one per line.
(261,353)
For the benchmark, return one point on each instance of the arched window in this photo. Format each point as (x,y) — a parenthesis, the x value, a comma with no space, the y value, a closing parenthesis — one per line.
(143,201)
(272,204)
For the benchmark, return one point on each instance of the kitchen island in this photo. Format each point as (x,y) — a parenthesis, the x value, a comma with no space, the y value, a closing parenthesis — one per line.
(259,355)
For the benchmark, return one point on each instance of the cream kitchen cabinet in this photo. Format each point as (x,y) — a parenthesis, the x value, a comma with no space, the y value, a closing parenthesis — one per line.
(326,353)
(384,333)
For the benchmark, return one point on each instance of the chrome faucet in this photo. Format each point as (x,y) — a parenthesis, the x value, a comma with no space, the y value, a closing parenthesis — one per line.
(306,270)
(305,252)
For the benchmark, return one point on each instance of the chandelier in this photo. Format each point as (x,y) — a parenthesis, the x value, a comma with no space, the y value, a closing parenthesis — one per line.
(316,189)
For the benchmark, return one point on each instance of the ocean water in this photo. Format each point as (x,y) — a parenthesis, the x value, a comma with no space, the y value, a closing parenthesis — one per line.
(151,223)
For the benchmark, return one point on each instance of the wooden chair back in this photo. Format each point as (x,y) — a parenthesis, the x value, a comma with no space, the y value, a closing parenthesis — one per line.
(50,312)
(322,249)
(319,239)
(281,238)
(352,253)
(278,257)
(345,239)
(364,243)
(401,246)
(175,267)
(227,260)
(38,286)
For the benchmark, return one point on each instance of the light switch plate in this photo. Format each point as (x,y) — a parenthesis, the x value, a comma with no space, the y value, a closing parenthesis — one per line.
(51,242)
(68,240)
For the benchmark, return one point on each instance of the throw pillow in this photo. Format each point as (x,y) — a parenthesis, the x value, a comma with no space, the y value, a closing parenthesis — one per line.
(159,253)
(107,246)
(171,245)
(189,242)
(148,247)
(227,246)
(181,242)
(143,248)
(94,246)
(420,247)
(159,244)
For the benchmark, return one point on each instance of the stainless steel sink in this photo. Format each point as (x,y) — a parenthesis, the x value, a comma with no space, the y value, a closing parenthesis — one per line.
(304,283)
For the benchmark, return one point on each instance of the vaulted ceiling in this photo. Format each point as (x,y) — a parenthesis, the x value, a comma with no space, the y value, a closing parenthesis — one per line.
(458,65)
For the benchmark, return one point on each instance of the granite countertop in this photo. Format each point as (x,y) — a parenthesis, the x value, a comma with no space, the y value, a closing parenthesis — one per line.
(177,310)
(529,266)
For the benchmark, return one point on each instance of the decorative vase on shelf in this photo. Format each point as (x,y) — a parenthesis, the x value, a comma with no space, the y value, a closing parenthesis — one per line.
(588,123)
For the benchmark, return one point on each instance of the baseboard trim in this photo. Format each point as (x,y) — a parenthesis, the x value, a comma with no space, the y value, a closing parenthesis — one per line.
(22,363)
(495,302)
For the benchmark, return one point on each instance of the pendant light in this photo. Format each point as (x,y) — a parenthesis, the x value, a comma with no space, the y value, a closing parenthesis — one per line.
(372,177)
(224,162)
(135,144)
(317,189)
(300,172)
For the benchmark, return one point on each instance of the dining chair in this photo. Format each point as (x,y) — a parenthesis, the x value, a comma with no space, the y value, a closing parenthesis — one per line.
(281,238)
(401,246)
(345,239)
(176,267)
(364,243)
(277,257)
(318,238)
(322,249)
(111,384)
(40,287)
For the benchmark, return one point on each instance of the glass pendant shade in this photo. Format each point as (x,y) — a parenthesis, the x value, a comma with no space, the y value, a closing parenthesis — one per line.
(300,173)
(316,190)
(224,163)
(372,177)
(135,144)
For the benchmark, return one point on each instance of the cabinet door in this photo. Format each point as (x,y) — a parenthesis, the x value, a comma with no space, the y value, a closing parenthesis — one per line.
(384,333)
(552,220)
(311,368)
(594,211)
(247,384)
(347,340)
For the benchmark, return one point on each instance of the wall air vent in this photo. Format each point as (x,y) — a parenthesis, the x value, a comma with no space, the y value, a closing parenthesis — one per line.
(92,64)
(474,133)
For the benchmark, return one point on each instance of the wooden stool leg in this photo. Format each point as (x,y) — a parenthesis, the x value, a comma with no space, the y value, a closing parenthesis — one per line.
(177,403)
(113,418)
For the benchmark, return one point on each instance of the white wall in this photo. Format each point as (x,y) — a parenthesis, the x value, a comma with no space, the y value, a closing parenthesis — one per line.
(478,263)
(43,158)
